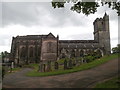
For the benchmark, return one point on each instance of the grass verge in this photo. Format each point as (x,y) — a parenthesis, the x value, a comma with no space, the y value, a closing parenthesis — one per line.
(112,83)
(86,66)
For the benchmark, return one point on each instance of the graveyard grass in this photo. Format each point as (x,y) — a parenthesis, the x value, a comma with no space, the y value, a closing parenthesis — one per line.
(85,66)
(112,83)
(13,70)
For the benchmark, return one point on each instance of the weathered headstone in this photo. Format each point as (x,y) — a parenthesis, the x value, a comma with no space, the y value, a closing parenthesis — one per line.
(74,62)
(56,66)
(82,60)
(77,62)
(41,67)
(12,65)
(65,64)
(48,68)
(44,66)
(70,64)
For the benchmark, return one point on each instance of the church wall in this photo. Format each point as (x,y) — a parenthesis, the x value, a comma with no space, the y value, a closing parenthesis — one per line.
(49,49)
(78,49)
(36,48)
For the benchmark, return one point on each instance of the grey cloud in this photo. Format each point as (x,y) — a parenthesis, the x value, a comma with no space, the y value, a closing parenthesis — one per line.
(112,13)
(39,14)
(0,14)
(18,13)
(115,38)
(86,36)
(119,29)
(5,40)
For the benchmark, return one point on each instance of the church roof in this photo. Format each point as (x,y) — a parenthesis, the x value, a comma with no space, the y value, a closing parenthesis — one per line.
(77,41)
(35,36)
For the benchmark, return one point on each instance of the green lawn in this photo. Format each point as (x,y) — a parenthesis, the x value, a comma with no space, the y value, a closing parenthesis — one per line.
(8,71)
(112,83)
(16,69)
(75,69)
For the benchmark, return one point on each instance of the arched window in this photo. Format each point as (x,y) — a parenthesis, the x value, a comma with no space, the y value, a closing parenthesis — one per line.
(49,47)
(81,53)
(31,52)
(63,55)
(23,52)
(38,51)
(73,53)
(99,53)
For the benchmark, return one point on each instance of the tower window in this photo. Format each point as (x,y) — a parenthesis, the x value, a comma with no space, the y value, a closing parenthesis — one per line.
(102,23)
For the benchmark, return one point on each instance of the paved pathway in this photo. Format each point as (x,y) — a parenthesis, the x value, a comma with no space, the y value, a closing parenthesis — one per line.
(82,79)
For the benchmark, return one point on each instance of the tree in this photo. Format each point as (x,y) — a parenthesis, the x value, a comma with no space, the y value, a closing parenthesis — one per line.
(87,7)
(116,49)
(4,54)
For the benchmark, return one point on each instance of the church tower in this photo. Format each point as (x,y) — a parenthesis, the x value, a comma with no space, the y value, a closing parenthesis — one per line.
(102,33)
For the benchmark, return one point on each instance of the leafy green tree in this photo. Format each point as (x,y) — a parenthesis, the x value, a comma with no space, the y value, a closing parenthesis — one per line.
(116,49)
(81,6)
(4,54)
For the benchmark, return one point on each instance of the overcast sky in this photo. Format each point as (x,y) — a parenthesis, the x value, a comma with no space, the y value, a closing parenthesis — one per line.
(20,18)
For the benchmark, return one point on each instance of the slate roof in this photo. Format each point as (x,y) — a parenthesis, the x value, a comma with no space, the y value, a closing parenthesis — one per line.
(77,41)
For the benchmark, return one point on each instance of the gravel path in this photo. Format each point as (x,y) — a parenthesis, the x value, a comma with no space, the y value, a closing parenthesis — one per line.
(82,79)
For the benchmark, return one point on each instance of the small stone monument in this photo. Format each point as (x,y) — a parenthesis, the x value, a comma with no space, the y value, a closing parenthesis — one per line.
(77,62)
(44,66)
(41,67)
(56,66)
(48,68)
(74,62)
(12,65)
(70,64)
(82,60)
(65,64)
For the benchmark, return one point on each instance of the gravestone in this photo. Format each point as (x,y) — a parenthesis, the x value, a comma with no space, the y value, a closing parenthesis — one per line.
(77,62)
(70,64)
(74,62)
(56,66)
(48,67)
(44,66)
(82,61)
(12,65)
(41,67)
(65,64)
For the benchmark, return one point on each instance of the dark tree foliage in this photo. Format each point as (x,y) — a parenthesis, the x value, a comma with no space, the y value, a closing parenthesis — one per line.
(4,54)
(87,7)
(116,49)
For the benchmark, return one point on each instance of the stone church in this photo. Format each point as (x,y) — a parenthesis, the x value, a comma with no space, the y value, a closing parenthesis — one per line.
(42,48)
